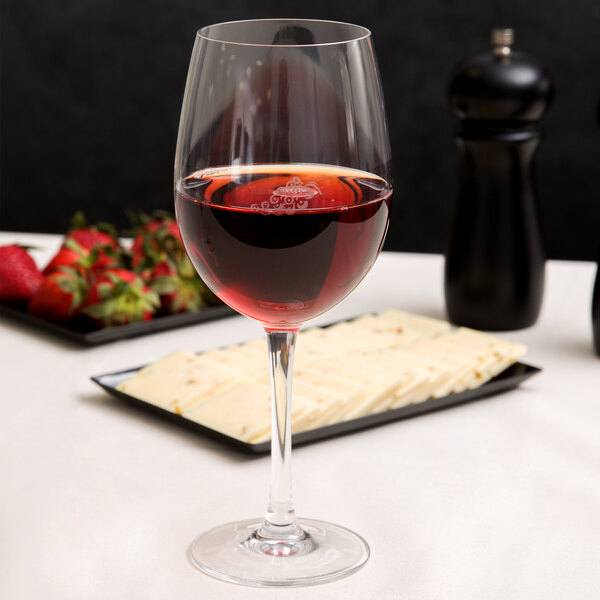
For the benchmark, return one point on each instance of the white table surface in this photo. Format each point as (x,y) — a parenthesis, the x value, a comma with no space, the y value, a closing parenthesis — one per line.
(497,499)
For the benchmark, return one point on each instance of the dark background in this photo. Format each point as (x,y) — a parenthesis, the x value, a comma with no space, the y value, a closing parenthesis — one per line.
(92,89)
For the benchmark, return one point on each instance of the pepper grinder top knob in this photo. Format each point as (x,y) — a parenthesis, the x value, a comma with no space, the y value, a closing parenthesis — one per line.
(502,40)
(503,87)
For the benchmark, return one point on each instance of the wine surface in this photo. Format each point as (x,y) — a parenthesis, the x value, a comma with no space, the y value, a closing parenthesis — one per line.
(282,243)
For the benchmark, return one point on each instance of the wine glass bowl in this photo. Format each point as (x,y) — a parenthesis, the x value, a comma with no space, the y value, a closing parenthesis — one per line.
(293,240)
(282,196)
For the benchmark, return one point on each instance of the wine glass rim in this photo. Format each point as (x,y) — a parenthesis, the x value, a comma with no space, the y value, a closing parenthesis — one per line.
(364,32)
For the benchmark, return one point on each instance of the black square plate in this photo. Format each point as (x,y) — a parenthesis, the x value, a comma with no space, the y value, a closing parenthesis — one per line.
(84,333)
(510,378)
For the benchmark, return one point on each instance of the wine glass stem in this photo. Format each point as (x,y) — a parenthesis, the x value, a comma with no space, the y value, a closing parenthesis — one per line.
(280,518)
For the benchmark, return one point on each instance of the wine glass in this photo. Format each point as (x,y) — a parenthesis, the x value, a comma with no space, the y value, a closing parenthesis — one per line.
(282,196)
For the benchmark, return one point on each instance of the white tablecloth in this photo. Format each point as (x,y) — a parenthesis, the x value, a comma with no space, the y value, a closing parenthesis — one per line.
(497,499)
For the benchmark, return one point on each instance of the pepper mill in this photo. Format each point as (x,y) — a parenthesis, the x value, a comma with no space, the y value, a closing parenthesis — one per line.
(495,260)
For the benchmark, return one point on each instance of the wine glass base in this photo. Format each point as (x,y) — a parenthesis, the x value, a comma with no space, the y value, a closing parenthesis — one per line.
(233,553)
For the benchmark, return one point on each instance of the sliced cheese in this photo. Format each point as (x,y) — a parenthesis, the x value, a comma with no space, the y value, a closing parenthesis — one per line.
(346,371)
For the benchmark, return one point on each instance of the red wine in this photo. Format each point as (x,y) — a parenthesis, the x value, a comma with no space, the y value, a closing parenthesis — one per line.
(282,243)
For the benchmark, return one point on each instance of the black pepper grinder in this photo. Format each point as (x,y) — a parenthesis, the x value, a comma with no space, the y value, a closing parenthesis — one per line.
(495,260)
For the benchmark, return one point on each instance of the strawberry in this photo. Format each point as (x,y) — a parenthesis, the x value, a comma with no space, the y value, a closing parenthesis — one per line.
(65,257)
(87,248)
(60,296)
(118,297)
(180,289)
(101,258)
(154,240)
(73,255)
(88,236)
(20,277)
(167,223)
(150,223)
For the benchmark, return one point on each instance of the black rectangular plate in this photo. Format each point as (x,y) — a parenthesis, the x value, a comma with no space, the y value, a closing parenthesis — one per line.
(508,379)
(83,334)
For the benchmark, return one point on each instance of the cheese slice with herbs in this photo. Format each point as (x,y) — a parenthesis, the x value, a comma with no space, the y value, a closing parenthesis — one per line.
(179,380)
